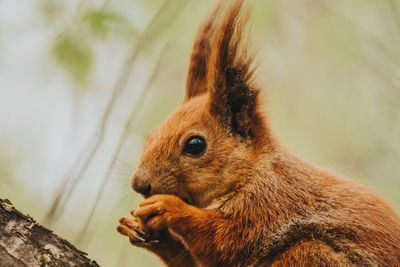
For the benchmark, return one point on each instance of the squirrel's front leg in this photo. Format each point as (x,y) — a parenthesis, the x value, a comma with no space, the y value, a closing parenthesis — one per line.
(209,237)
(162,243)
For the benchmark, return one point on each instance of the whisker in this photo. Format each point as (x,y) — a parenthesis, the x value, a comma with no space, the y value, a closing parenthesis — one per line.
(125,164)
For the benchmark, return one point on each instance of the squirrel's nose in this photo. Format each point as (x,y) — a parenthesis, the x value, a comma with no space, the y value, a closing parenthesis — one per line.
(141,183)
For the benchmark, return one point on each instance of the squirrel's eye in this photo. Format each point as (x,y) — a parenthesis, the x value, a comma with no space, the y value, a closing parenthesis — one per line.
(195,146)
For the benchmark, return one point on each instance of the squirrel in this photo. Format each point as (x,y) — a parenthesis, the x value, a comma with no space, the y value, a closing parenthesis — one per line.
(220,189)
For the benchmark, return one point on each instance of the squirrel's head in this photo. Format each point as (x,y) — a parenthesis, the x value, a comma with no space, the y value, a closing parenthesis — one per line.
(210,143)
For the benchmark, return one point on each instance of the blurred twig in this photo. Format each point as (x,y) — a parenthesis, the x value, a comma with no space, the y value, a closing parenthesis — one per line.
(105,3)
(389,75)
(122,256)
(394,5)
(128,125)
(379,44)
(54,211)
(164,16)
(78,9)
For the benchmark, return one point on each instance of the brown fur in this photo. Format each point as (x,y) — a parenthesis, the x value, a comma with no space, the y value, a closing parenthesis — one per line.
(247,201)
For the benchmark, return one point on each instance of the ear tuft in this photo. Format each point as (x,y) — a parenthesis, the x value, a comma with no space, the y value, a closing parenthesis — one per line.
(231,76)
(241,102)
(222,66)
(196,81)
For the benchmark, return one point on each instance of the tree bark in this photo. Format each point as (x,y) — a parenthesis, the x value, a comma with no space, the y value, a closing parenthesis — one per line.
(23,242)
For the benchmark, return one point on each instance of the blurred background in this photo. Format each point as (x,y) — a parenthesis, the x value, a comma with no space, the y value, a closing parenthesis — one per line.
(82,82)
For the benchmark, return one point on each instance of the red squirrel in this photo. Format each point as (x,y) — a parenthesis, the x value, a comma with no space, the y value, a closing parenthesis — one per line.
(221,190)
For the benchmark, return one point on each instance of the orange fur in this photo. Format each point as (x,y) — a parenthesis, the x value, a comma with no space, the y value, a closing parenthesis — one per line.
(247,200)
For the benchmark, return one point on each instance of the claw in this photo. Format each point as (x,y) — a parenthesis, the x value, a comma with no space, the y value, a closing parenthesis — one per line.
(144,237)
(143,234)
(139,237)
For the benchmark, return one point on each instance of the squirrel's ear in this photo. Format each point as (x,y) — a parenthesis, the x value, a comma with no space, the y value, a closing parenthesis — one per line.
(196,81)
(233,98)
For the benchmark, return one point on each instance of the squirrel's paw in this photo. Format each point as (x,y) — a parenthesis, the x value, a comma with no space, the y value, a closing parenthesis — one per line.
(130,227)
(159,211)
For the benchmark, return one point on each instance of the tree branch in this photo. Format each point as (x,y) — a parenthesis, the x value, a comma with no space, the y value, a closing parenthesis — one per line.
(24,242)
